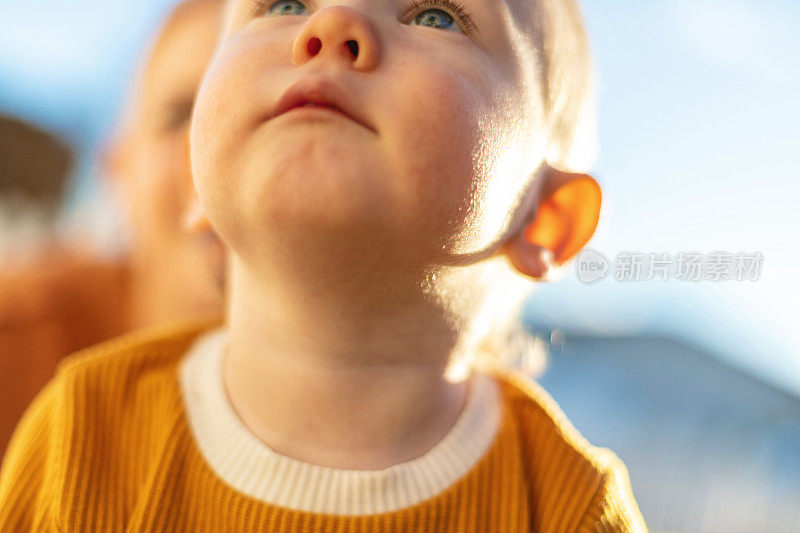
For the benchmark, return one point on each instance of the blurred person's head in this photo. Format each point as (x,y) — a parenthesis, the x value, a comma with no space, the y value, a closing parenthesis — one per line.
(175,273)
(34,174)
(462,164)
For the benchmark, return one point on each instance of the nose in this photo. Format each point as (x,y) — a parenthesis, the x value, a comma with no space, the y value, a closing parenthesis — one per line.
(341,34)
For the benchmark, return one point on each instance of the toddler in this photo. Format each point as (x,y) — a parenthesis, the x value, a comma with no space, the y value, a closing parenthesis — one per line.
(385,175)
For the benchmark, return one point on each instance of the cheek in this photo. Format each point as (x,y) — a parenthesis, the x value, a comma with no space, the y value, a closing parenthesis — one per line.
(438,127)
(214,138)
(223,122)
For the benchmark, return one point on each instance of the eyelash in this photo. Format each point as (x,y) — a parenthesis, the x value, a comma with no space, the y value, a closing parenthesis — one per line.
(453,5)
(262,6)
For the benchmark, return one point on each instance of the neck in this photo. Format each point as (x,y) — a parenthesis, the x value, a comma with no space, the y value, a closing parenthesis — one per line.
(341,374)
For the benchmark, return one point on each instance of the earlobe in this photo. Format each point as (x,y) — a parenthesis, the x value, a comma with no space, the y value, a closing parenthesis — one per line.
(564,218)
(529,258)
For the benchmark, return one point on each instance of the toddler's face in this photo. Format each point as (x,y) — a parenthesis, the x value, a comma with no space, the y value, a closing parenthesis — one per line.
(151,160)
(435,139)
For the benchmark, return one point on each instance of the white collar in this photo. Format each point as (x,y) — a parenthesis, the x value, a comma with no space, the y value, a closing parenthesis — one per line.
(247,464)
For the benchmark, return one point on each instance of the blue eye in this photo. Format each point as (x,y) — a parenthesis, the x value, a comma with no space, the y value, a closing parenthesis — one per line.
(436,18)
(429,14)
(285,7)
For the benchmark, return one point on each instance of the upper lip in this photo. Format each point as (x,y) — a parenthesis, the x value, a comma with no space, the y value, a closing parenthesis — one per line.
(318,91)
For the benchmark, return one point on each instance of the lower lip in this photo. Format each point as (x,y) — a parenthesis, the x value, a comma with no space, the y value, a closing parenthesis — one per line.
(311,110)
(314,109)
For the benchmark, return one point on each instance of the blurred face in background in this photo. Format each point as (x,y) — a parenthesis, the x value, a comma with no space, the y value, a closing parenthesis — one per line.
(181,273)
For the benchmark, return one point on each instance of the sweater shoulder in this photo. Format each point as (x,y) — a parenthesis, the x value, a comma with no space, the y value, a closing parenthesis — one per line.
(539,416)
(568,477)
(127,382)
(154,346)
(97,430)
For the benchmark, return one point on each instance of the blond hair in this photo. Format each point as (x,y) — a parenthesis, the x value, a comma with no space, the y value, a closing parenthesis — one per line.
(568,103)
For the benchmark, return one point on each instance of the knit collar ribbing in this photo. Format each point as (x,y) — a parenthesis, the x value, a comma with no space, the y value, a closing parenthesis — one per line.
(243,461)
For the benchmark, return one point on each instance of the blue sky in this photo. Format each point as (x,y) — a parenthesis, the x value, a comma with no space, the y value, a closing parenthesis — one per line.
(698,113)
(698,129)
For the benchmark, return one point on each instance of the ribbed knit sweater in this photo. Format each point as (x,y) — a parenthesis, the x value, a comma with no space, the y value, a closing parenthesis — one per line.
(138,434)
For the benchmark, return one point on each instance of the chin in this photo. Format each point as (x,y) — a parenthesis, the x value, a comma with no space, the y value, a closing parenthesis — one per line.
(318,190)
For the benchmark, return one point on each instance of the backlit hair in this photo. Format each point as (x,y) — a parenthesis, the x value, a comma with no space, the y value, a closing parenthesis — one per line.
(564,64)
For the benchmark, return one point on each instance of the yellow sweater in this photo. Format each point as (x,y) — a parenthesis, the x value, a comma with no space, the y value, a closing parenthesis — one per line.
(135,435)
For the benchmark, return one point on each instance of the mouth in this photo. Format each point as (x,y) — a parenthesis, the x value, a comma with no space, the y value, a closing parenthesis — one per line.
(318,94)
(317,106)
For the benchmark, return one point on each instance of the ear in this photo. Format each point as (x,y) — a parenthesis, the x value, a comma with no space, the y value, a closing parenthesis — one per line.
(195,219)
(562,219)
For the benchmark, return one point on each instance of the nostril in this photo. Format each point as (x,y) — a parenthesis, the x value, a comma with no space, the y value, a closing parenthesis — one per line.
(314,46)
(353,46)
